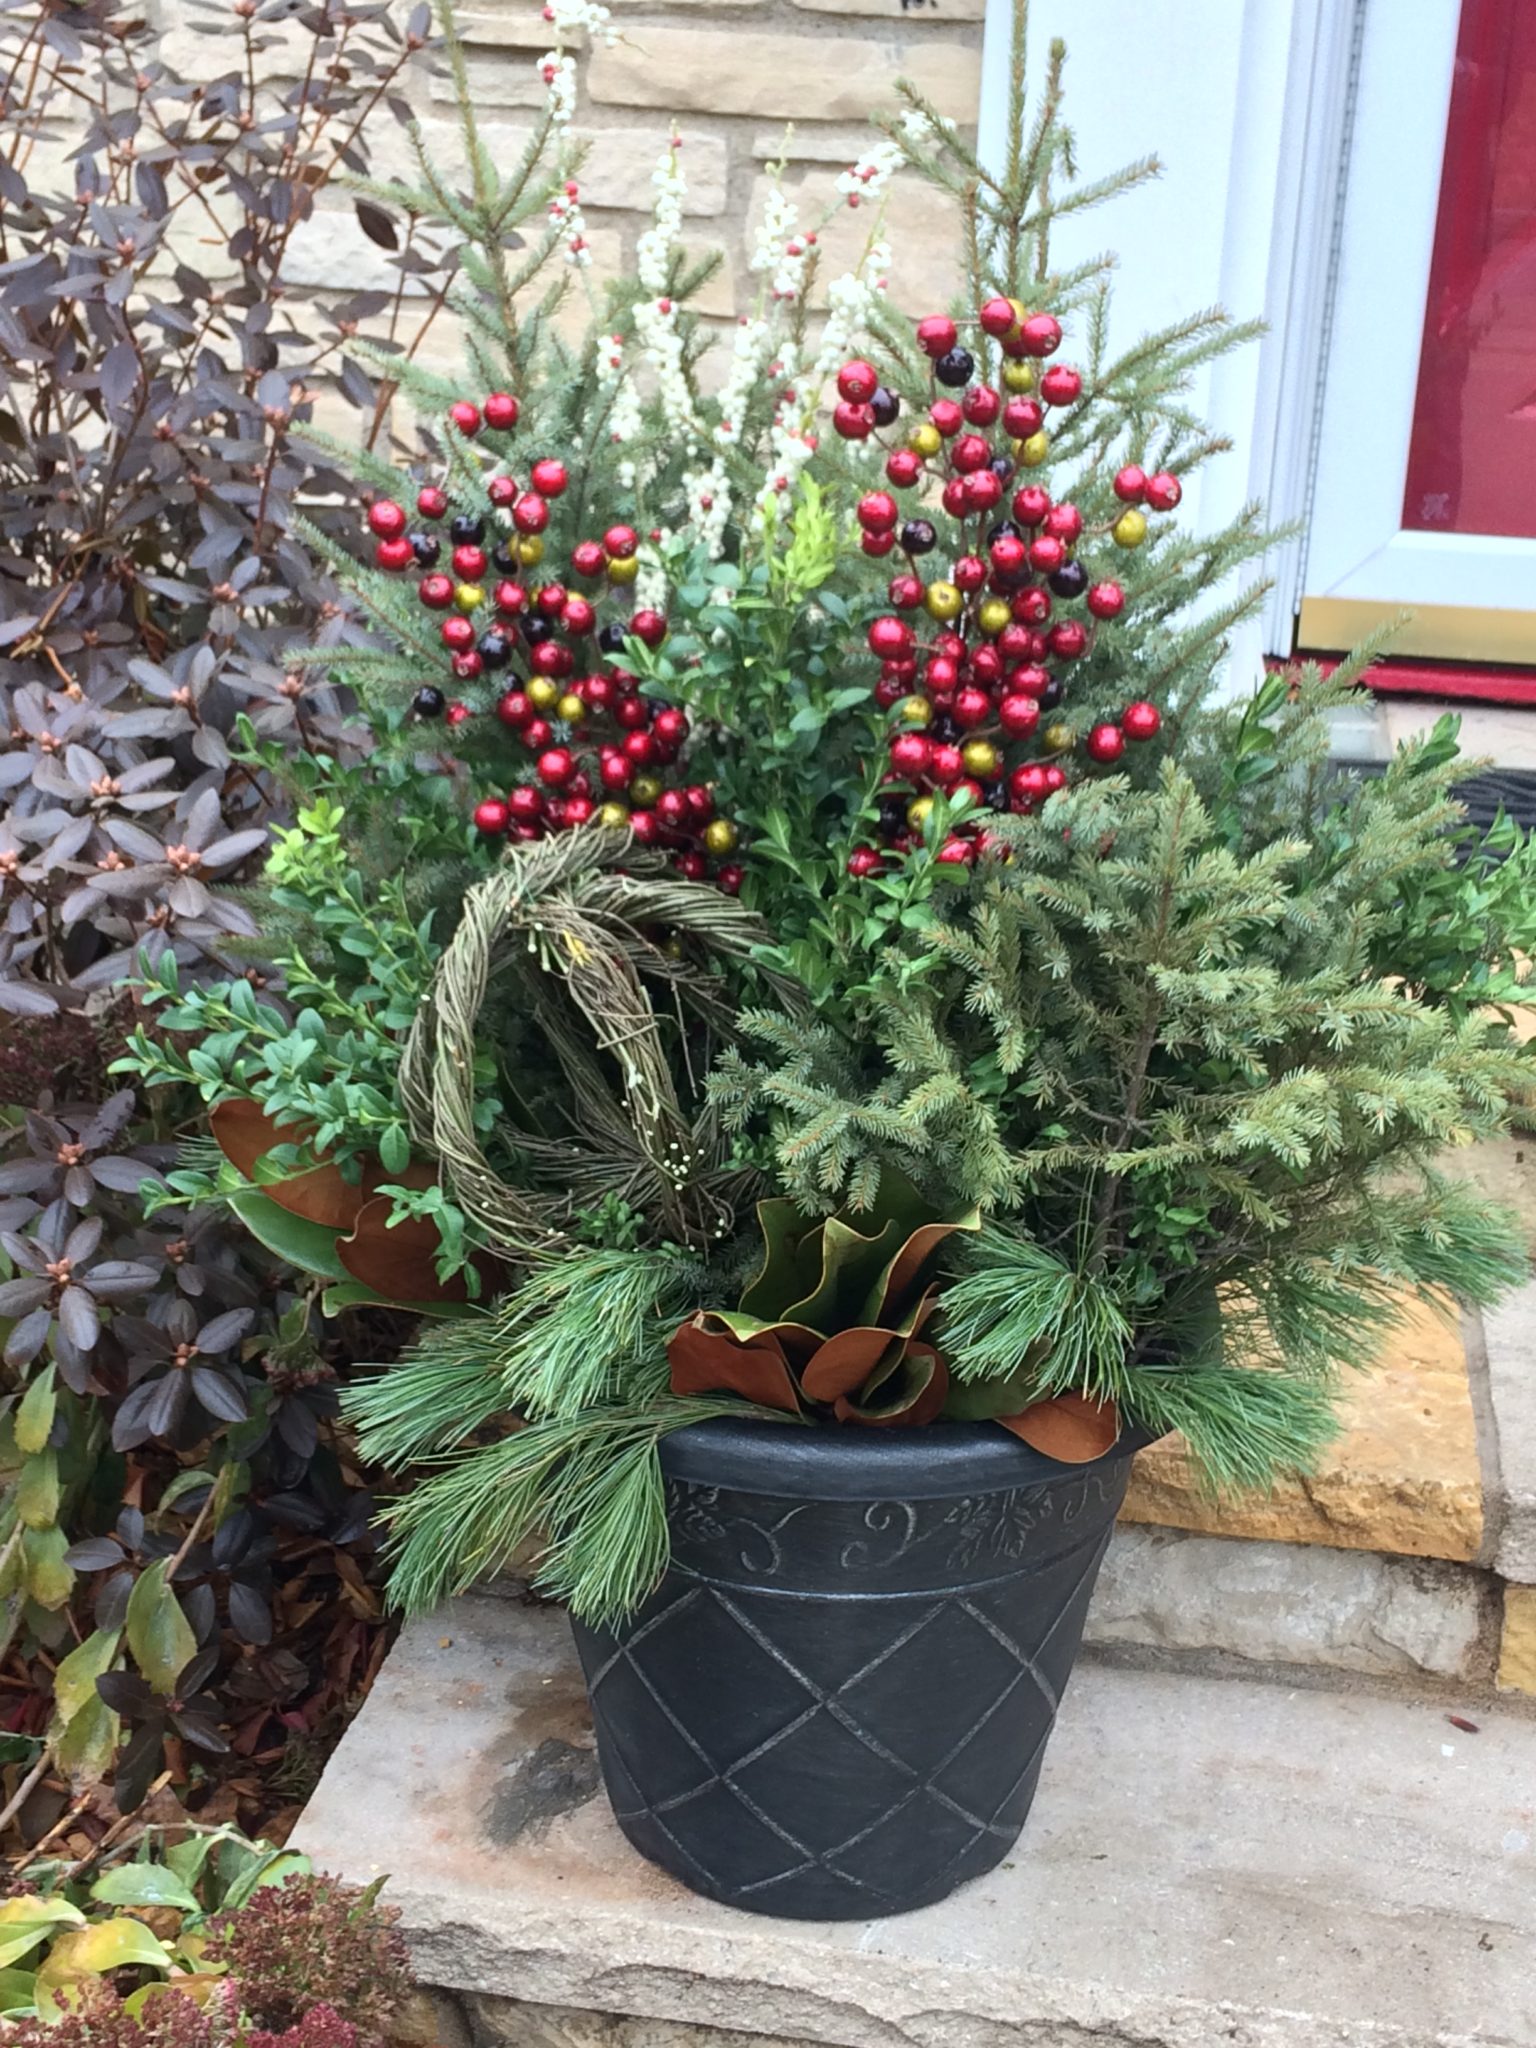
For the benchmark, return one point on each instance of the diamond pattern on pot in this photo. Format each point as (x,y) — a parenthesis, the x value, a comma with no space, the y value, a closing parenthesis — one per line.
(960,1780)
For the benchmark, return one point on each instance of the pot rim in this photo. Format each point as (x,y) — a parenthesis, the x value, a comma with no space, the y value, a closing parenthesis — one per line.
(839,1461)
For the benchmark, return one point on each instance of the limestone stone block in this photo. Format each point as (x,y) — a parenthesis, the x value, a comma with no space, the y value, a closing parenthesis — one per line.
(1509,1340)
(912,13)
(514,2023)
(1403,1477)
(1280,1603)
(1517,1652)
(783,77)
(616,171)
(919,222)
(496,79)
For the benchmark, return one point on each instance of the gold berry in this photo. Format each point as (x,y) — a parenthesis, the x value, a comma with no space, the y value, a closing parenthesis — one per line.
(994,613)
(720,835)
(1033,451)
(469,597)
(614,816)
(1130,529)
(942,601)
(918,810)
(623,568)
(981,758)
(541,693)
(914,710)
(1019,376)
(1057,738)
(645,789)
(925,439)
(530,550)
(571,708)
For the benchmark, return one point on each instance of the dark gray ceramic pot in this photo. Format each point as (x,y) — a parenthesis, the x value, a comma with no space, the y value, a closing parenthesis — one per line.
(836,1704)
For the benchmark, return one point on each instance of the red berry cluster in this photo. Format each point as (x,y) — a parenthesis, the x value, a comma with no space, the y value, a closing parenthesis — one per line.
(598,750)
(977,687)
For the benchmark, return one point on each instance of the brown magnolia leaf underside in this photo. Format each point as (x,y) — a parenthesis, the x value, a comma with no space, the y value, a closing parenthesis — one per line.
(1067,1427)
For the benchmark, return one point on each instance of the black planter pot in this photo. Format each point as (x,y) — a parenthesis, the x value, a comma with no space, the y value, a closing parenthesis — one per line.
(836,1704)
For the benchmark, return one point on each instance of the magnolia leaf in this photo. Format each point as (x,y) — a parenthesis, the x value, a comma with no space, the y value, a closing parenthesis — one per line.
(310,1246)
(355,1294)
(34,1417)
(1068,1427)
(159,1636)
(144,1884)
(26,1921)
(74,1683)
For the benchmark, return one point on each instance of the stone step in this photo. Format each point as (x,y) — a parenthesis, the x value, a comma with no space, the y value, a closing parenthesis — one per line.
(1210,1860)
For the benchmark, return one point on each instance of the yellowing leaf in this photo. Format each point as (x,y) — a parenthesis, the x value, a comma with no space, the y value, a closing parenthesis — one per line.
(34,1417)
(50,1580)
(26,1921)
(74,1683)
(159,1636)
(37,1490)
(109,1945)
(87,1746)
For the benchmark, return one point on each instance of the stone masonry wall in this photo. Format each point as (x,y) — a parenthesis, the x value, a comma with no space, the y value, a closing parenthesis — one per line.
(728,76)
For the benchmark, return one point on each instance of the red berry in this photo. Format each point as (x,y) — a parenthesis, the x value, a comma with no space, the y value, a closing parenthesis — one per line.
(981,405)
(937,335)
(946,416)
(501,490)
(588,558)
(501,410)
(1055,778)
(730,879)
(436,591)
(431,503)
(857,381)
(972,707)
(1164,491)
(1018,716)
(672,808)
(889,692)
(693,867)
(549,477)
(530,514)
(1106,600)
(578,617)
(865,860)
(671,726)
(1065,523)
(394,555)
(1131,484)
(470,564)
(514,709)
(878,544)
(945,765)
(969,573)
(492,817)
(1008,554)
(1022,417)
(997,318)
(1061,386)
(942,673)
(644,826)
(537,734)
(853,422)
(1141,720)
(551,601)
(467,666)
(1069,639)
(1105,743)
(510,597)
(1029,679)
(640,747)
(1041,334)
(911,753)
(458,633)
(983,491)
(701,805)
(987,666)
(620,542)
(458,714)
(903,467)
(905,592)
(556,766)
(526,803)
(465,417)
(1032,607)
(632,713)
(616,771)
(952,498)
(578,810)
(956,853)
(876,512)
(549,658)
(1014,641)
(1031,504)
(890,638)
(1047,554)
(649,627)
(970,453)
(386,519)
